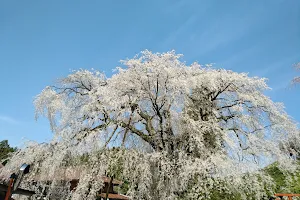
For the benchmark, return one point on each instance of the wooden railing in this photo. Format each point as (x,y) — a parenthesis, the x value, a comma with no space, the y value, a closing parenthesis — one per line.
(289,196)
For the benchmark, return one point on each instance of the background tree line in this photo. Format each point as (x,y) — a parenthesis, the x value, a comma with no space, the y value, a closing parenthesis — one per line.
(5,151)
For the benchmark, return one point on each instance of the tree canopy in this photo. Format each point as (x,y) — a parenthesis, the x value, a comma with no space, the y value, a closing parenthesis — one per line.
(5,151)
(182,129)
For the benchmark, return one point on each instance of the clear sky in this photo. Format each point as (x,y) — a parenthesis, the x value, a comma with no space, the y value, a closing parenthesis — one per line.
(41,41)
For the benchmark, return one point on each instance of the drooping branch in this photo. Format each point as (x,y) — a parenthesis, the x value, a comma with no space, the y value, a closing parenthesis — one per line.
(111,135)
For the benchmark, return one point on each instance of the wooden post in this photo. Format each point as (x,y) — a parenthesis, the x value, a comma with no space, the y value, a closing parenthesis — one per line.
(10,185)
(107,191)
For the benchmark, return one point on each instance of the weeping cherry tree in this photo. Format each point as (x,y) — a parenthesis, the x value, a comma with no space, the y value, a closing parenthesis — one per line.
(177,131)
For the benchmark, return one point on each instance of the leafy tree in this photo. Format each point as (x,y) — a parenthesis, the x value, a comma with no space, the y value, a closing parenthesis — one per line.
(5,151)
(284,181)
(183,129)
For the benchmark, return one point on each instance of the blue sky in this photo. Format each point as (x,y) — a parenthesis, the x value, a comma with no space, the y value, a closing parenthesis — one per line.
(41,41)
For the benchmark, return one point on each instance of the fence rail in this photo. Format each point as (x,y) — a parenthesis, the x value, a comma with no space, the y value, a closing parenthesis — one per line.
(289,196)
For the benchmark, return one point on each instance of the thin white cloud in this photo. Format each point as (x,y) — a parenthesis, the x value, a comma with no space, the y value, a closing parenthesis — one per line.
(8,119)
(209,36)
(237,58)
(284,65)
(184,30)
(177,33)
(175,6)
(225,32)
